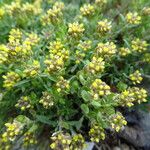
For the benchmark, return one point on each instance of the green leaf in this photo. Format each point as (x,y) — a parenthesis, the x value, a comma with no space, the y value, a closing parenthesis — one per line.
(85,108)
(86,96)
(22,82)
(121,86)
(96,104)
(82,80)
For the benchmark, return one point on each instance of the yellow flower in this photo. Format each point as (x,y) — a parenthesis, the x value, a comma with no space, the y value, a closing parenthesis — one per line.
(32,69)
(99,89)
(79,56)
(24,103)
(75,29)
(87,10)
(97,65)
(62,85)
(124,51)
(77,142)
(59,5)
(106,50)
(126,98)
(100,2)
(139,45)
(104,26)
(96,133)
(85,45)
(46,100)
(133,18)
(61,140)
(117,121)
(29,139)
(140,95)
(3,53)
(136,77)
(15,34)
(32,39)
(146,10)
(10,79)
(146,57)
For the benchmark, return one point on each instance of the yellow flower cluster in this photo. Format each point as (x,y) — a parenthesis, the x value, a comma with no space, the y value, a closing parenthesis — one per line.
(29,139)
(124,51)
(104,26)
(24,103)
(10,79)
(139,45)
(100,2)
(53,15)
(136,77)
(57,49)
(146,10)
(106,50)
(2,12)
(99,89)
(126,98)
(146,57)
(3,53)
(15,34)
(139,95)
(131,95)
(61,141)
(16,8)
(32,69)
(75,29)
(32,39)
(96,133)
(118,121)
(54,64)
(87,10)
(85,45)
(96,65)
(77,142)
(12,131)
(46,100)
(62,85)
(133,18)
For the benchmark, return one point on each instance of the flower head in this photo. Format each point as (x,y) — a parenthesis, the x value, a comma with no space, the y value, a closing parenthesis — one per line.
(133,18)
(87,10)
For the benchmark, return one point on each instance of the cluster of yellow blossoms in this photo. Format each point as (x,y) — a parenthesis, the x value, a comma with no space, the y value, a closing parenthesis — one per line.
(87,10)
(77,142)
(146,10)
(66,142)
(133,18)
(54,14)
(12,131)
(139,45)
(131,95)
(124,51)
(3,53)
(106,50)
(96,133)
(146,57)
(58,56)
(29,139)
(61,141)
(46,100)
(99,89)
(16,8)
(62,85)
(100,2)
(32,69)
(24,103)
(136,77)
(85,45)
(10,79)
(118,121)
(104,26)
(96,65)
(75,30)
